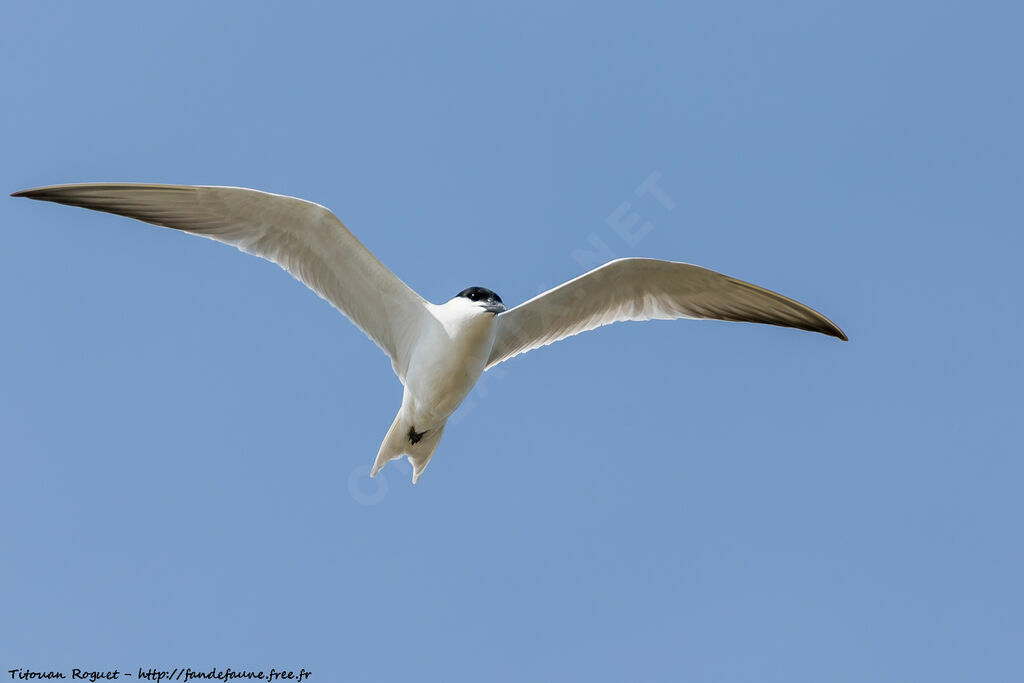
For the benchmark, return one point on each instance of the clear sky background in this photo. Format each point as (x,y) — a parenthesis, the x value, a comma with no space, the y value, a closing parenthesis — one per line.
(186,430)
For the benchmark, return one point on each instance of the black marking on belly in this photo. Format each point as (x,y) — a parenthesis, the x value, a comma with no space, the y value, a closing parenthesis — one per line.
(414,436)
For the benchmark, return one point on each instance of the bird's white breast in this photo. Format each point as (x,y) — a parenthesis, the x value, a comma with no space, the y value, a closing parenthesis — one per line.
(449,358)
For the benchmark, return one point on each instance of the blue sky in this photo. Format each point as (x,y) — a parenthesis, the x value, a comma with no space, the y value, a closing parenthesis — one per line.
(185,430)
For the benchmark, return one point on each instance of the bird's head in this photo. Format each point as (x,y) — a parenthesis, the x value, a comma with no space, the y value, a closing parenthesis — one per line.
(480,297)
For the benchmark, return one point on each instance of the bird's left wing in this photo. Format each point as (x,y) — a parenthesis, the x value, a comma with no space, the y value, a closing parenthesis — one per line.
(304,238)
(645,289)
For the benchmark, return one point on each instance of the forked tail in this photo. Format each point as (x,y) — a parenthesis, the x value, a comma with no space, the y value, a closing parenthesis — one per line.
(403,439)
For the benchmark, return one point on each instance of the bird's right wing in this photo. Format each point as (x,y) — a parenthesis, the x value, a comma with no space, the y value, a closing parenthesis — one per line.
(645,289)
(304,238)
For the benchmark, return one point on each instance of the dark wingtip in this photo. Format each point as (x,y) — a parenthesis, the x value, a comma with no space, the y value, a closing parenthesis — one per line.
(833,331)
(31,193)
(35,192)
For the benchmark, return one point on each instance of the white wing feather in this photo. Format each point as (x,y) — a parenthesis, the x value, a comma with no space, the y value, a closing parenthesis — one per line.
(304,238)
(644,289)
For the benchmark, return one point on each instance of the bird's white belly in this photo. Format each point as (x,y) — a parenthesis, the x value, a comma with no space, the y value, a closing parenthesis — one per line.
(448,361)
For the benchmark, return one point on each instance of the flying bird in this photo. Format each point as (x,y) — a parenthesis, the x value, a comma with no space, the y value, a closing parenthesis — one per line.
(438,351)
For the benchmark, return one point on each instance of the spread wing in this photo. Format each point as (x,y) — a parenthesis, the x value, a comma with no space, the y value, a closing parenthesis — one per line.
(304,238)
(645,289)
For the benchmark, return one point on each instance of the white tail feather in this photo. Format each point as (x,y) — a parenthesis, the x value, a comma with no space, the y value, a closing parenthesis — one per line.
(397,442)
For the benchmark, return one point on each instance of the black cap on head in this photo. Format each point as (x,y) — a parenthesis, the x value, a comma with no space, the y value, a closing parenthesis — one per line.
(487,299)
(480,294)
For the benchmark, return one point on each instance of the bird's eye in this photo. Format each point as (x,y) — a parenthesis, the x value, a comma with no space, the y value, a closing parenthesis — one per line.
(474,296)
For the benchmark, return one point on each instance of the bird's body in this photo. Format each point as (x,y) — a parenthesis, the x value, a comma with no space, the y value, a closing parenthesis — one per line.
(449,359)
(438,351)
(450,356)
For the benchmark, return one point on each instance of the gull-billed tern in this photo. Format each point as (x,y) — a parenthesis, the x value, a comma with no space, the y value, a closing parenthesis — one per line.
(437,351)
